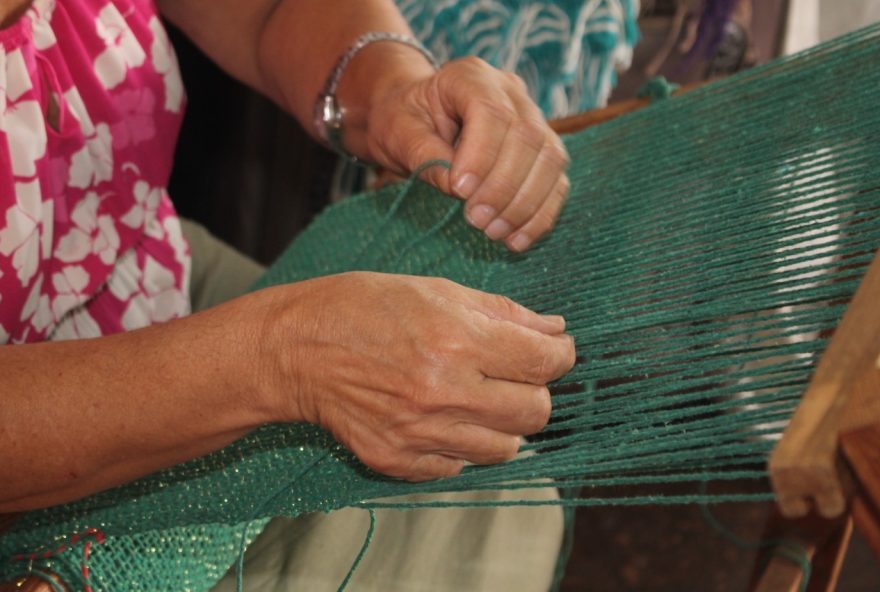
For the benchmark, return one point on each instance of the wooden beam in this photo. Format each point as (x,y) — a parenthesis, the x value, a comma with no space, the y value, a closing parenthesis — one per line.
(581,121)
(860,444)
(824,543)
(805,467)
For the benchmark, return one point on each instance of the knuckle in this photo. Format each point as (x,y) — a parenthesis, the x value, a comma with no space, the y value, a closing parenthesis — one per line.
(451,345)
(420,148)
(529,133)
(473,62)
(504,188)
(452,468)
(499,112)
(542,222)
(516,80)
(558,155)
(546,365)
(570,354)
(441,283)
(430,467)
(564,186)
(428,398)
(505,306)
(384,461)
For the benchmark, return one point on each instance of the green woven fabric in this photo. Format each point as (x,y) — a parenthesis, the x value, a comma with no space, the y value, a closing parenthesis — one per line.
(710,243)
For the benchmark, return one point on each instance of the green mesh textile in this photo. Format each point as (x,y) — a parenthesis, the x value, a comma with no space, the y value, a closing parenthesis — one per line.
(710,244)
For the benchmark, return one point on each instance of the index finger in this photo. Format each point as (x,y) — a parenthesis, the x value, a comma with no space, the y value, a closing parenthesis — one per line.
(502,308)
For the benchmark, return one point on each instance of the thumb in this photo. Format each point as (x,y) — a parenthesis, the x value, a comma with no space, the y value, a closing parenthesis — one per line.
(430,157)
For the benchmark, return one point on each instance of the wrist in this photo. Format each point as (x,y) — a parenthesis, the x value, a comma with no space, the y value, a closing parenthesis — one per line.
(284,330)
(373,75)
(237,375)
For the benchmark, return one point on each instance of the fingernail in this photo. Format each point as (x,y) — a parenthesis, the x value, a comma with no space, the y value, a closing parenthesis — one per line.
(480,216)
(466,186)
(498,228)
(519,242)
(556,319)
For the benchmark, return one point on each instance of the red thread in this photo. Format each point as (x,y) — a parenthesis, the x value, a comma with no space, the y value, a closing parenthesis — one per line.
(87,549)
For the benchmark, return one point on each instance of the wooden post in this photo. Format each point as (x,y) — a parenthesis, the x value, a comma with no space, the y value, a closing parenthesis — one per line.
(806,468)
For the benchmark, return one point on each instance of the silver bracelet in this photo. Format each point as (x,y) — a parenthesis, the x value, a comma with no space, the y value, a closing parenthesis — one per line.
(328,114)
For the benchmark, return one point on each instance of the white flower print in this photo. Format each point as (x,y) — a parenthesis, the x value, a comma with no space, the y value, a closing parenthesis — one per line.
(22,237)
(144,209)
(22,119)
(93,163)
(79,325)
(70,289)
(91,233)
(125,278)
(157,298)
(44,36)
(174,237)
(78,109)
(165,63)
(123,49)
(71,285)
(36,307)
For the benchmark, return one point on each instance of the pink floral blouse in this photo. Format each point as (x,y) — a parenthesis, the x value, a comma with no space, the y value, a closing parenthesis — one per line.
(90,107)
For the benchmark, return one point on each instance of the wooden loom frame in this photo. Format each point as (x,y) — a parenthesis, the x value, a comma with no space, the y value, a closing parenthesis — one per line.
(826,468)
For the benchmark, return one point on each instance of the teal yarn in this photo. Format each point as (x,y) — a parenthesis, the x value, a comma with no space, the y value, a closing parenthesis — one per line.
(657,88)
(357,560)
(708,246)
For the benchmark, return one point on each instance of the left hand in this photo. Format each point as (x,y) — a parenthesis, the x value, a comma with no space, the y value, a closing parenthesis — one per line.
(507,164)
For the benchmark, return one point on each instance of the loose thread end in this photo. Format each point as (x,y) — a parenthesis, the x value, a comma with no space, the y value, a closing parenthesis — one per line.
(357,560)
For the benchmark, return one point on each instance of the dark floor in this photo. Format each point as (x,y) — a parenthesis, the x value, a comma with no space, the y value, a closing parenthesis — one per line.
(674,549)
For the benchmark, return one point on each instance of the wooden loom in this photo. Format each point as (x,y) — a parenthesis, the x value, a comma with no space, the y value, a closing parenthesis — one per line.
(826,468)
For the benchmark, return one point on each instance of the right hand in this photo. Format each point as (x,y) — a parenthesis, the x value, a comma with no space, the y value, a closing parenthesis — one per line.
(414,375)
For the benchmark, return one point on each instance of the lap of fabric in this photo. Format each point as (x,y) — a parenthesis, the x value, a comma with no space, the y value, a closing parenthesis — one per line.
(510,549)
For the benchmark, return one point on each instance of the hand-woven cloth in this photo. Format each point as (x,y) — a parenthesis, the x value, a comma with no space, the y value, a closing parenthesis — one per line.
(711,242)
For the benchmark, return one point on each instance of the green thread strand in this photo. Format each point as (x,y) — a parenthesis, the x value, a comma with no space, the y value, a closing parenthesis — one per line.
(357,560)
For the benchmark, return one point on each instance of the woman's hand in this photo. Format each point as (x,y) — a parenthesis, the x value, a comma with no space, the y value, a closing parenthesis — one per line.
(507,164)
(414,375)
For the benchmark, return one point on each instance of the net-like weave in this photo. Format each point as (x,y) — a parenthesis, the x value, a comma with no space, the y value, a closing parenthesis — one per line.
(710,244)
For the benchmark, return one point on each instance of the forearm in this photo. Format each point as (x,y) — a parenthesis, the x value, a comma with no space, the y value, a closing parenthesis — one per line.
(303,41)
(78,417)
(287,49)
